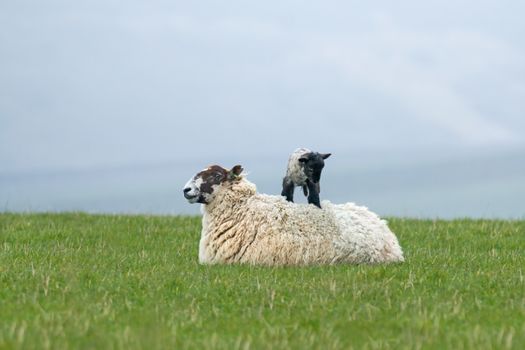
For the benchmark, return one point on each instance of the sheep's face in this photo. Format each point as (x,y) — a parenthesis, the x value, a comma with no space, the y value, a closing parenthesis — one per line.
(201,187)
(313,164)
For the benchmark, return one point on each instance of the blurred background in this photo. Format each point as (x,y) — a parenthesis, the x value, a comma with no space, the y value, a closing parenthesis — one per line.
(111,106)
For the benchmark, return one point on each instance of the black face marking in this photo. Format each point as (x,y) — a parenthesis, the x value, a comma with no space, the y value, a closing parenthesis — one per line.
(313,166)
(214,175)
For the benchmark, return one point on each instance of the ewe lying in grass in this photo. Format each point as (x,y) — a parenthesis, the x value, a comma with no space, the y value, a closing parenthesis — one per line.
(241,226)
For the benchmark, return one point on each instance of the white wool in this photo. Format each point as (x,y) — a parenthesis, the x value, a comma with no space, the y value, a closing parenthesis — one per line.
(241,226)
(295,171)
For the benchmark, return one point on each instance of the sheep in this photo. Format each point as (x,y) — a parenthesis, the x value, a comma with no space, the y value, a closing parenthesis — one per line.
(241,226)
(304,170)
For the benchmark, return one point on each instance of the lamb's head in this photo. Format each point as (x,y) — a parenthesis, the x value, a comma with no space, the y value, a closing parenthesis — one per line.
(313,164)
(201,187)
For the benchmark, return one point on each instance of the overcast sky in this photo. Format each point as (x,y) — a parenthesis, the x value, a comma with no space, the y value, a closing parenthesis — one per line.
(105,84)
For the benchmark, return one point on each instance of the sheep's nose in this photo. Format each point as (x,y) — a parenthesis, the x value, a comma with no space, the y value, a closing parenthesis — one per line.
(186,190)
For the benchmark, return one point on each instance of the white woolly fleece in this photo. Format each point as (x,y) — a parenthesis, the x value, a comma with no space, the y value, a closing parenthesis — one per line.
(241,226)
(295,171)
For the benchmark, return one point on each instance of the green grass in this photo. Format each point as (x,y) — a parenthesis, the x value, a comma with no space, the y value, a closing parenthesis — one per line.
(124,282)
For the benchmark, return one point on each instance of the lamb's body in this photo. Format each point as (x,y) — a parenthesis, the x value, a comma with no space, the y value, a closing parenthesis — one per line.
(304,170)
(295,170)
(241,226)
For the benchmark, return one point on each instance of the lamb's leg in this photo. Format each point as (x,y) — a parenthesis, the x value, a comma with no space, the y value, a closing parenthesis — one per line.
(288,188)
(313,196)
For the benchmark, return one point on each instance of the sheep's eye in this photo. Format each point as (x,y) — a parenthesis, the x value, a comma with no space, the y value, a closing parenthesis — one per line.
(218,176)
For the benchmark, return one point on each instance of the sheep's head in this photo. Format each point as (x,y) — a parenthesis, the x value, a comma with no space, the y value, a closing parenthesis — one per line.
(200,188)
(313,164)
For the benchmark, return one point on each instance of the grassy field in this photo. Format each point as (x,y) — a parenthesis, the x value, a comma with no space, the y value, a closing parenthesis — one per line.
(90,281)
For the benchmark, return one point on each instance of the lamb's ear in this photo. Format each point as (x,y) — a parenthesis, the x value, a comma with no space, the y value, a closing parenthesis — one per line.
(235,172)
(303,160)
(325,155)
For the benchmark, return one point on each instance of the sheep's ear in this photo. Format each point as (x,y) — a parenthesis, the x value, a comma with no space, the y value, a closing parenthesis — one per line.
(235,172)
(325,155)
(303,160)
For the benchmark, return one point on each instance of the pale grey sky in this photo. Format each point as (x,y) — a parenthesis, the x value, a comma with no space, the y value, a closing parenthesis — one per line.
(87,88)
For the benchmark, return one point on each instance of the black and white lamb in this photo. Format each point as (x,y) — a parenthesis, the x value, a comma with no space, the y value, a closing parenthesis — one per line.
(304,170)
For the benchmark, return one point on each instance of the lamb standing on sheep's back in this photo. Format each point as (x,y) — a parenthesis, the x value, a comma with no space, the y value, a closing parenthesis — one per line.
(241,226)
(304,170)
